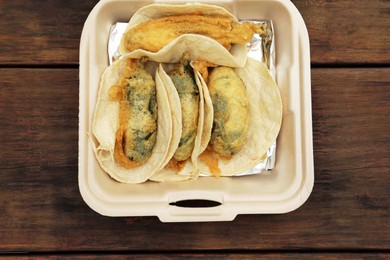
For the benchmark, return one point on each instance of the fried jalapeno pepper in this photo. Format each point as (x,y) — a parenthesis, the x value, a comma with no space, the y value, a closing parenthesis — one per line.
(136,93)
(154,34)
(183,79)
(231,111)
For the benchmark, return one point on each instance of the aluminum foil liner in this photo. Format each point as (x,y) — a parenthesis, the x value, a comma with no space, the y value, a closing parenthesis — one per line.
(261,48)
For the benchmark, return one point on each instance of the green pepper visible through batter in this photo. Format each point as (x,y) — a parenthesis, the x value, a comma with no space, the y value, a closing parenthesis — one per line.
(136,135)
(231,114)
(183,79)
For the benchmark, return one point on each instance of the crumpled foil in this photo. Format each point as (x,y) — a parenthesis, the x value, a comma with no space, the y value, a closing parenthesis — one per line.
(261,48)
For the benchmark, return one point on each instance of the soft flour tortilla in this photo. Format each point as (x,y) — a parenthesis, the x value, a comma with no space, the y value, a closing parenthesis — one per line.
(198,46)
(208,113)
(190,169)
(105,125)
(265,118)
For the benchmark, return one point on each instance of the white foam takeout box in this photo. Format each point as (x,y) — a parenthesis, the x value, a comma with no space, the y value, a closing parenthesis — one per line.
(282,190)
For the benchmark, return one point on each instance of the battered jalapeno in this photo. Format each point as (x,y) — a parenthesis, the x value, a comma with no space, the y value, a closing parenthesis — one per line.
(183,79)
(136,135)
(231,117)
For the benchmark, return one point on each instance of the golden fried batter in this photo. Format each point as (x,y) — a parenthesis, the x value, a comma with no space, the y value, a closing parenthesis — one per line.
(154,34)
(231,111)
(136,135)
(202,66)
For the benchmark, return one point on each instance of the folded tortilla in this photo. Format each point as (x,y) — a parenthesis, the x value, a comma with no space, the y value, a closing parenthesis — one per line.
(265,118)
(105,126)
(189,168)
(198,46)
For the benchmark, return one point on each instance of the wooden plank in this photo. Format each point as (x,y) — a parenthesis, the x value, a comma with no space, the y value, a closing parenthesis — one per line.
(41,208)
(48,32)
(347,31)
(42,32)
(211,255)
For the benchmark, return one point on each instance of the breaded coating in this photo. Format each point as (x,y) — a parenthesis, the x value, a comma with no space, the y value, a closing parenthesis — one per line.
(154,34)
(231,111)
(136,135)
(183,79)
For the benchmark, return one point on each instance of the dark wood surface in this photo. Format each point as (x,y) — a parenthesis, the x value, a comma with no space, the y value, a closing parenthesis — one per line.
(347,215)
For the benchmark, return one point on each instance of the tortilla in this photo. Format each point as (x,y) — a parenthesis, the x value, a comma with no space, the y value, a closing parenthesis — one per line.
(265,118)
(189,168)
(105,125)
(207,113)
(199,47)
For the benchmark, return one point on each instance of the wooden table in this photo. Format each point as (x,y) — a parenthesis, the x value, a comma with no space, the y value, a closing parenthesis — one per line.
(43,214)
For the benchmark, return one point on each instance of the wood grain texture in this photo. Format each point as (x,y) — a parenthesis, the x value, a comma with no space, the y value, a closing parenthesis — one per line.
(41,208)
(217,256)
(42,32)
(347,31)
(48,31)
